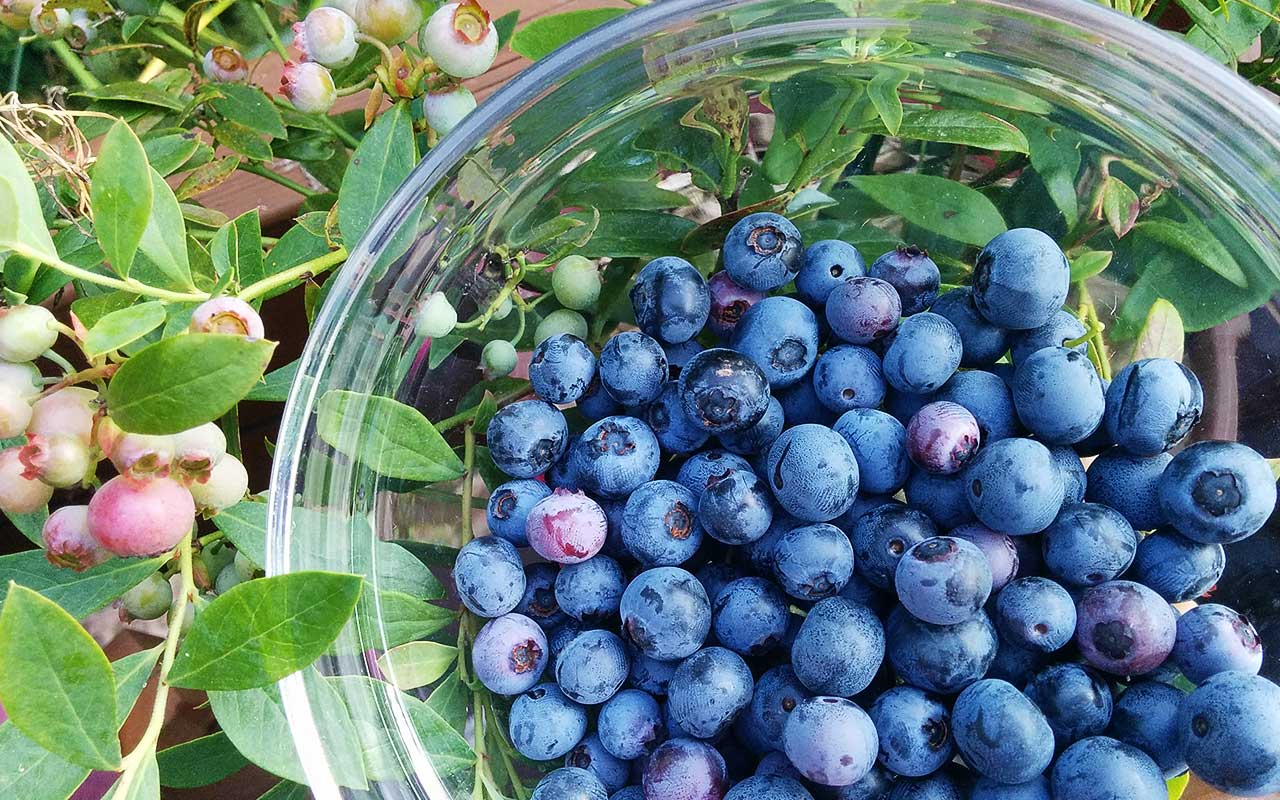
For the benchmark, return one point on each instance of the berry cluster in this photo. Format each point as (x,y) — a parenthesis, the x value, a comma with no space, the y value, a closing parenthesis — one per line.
(853,543)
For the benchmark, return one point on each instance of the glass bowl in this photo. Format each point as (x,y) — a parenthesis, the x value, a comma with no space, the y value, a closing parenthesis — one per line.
(1100,99)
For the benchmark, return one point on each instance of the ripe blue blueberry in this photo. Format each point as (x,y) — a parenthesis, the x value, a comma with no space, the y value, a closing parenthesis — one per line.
(878,442)
(1230,728)
(848,376)
(999,550)
(666,417)
(1175,567)
(1213,638)
(1076,701)
(800,405)
(813,561)
(526,438)
(666,613)
(762,251)
(1152,404)
(1217,492)
(649,674)
(544,724)
(715,575)
(1014,486)
(562,368)
(724,391)
(685,768)
(813,473)
(660,524)
(863,310)
(735,507)
(759,437)
(839,648)
(988,398)
(1015,664)
(777,694)
(982,343)
(1129,484)
(776,762)
(671,299)
(1035,613)
(701,467)
(596,403)
(489,576)
(558,639)
(831,741)
(592,667)
(615,455)
(875,785)
(1088,544)
(749,616)
(610,770)
(826,265)
(938,786)
(508,508)
(768,787)
(1020,279)
(1124,628)
(780,334)
(914,730)
(1035,789)
(760,552)
(1058,395)
(708,691)
(942,659)
(539,600)
(882,535)
(569,783)
(923,354)
(944,498)
(1071,470)
(633,368)
(943,580)
(912,273)
(679,354)
(1101,768)
(1146,716)
(630,724)
(1001,733)
(509,654)
(590,590)
(1061,328)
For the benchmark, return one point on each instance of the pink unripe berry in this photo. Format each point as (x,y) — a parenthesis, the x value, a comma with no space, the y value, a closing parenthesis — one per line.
(135,455)
(460,38)
(225,65)
(942,437)
(60,461)
(66,412)
(326,36)
(15,412)
(566,527)
(67,542)
(227,484)
(229,315)
(309,86)
(25,332)
(23,378)
(388,21)
(197,451)
(132,518)
(19,494)
(446,108)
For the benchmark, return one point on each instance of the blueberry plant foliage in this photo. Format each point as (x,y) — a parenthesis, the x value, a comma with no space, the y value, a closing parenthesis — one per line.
(120,117)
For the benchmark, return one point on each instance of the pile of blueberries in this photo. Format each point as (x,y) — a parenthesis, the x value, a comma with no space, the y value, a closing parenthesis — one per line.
(852,551)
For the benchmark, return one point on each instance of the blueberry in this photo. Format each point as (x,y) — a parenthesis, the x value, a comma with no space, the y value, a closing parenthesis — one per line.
(1001,733)
(1146,716)
(539,600)
(863,310)
(527,437)
(558,639)
(592,667)
(1124,628)
(943,580)
(1129,484)
(1000,551)
(813,561)
(695,473)
(761,551)
(749,616)
(1014,486)
(777,694)
(564,473)
(875,785)
(904,405)
(685,769)
(776,762)
(1058,395)
(708,691)
(939,658)
(938,786)
(729,302)
(759,437)
(561,369)
(912,273)
(660,524)
(762,251)
(1061,328)
(848,376)
(630,724)
(671,299)
(666,613)
(649,674)
(566,527)
(591,756)
(1088,544)
(569,783)
(860,591)
(614,514)
(1035,789)
(800,405)
(813,473)
(1071,470)
(1176,567)
(923,354)
(1100,768)
(780,334)
(1152,404)
(615,455)
(724,391)
(633,368)
(982,343)
(878,442)
(1213,638)
(590,591)
(509,506)
(1217,492)
(942,437)
(735,507)
(1035,613)
(1076,701)
(509,654)
(1230,728)
(596,403)
(830,740)
(882,535)
(826,265)
(1014,663)
(628,793)
(715,575)
(988,398)
(839,648)
(1020,279)
(489,576)
(914,729)
(680,354)
(667,418)
(768,787)
(544,724)
(944,498)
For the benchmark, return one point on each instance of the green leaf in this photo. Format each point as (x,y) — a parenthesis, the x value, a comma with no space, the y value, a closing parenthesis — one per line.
(634,234)
(245,524)
(485,411)
(136,92)
(383,160)
(275,384)
(144,786)
(1087,263)
(287,790)
(27,770)
(248,106)
(237,246)
(1177,785)
(417,664)
(545,34)
(262,630)
(1209,28)
(243,140)
(167,153)
(883,93)
(1161,335)
(403,618)
(1192,242)
(1237,26)
(206,178)
(30,525)
(22,226)
(450,700)
(1120,206)
(298,244)
(394,568)
(199,762)
(55,682)
(164,240)
(934,203)
(506,26)
(131,674)
(429,553)
(123,327)
(972,128)
(185,381)
(80,593)
(388,437)
(120,195)
(449,752)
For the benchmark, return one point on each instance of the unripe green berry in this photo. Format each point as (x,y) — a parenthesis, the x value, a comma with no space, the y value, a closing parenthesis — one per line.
(436,316)
(244,566)
(504,308)
(446,108)
(498,358)
(149,599)
(327,36)
(561,320)
(576,282)
(26,331)
(217,556)
(60,461)
(228,576)
(460,39)
(24,378)
(388,21)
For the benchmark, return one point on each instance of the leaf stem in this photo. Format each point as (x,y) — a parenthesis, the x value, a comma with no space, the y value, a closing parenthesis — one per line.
(304,270)
(804,173)
(1088,314)
(468,478)
(501,400)
(177,16)
(213,13)
(15,70)
(83,376)
(482,758)
(73,64)
(269,29)
(254,169)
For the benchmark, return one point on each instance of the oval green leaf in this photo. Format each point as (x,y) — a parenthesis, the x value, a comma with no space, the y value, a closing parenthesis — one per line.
(1162,334)
(1087,263)
(185,381)
(934,203)
(971,128)
(388,437)
(545,34)
(383,160)
(22,225)
(80,593)
(199,762)
(123,327)
(416,664)
(164,240)
(120,196)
